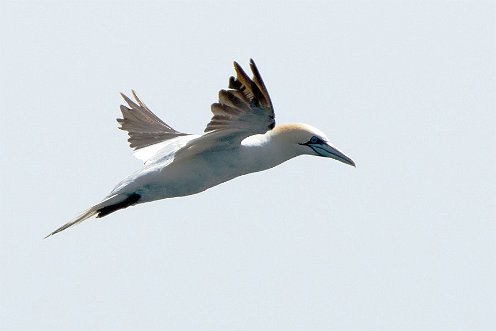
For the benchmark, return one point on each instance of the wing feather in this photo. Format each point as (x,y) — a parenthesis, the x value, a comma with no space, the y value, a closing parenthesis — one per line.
(245,107)
(143,126)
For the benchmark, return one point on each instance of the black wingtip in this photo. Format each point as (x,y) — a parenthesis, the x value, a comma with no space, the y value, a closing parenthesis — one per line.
(253,67)
(234,83)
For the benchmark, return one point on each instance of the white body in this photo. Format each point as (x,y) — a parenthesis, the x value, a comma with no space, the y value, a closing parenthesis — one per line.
(167,177)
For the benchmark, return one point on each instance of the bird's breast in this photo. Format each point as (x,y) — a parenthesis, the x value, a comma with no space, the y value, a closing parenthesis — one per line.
(199,172)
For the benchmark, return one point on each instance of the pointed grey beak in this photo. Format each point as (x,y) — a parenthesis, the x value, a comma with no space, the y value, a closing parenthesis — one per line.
(327,150)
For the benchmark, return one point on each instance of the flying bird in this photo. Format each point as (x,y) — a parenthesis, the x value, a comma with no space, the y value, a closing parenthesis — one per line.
(241,138)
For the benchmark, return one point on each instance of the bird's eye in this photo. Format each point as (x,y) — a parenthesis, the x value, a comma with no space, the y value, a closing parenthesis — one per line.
(314,140)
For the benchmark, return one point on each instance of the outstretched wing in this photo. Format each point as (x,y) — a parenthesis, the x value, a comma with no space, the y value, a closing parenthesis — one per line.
(245,107)
(144,127)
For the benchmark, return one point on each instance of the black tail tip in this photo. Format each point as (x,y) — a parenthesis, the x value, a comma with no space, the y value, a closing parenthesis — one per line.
(130,200)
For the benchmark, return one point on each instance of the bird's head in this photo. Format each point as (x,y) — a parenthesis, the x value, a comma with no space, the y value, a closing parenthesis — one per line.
(307,140)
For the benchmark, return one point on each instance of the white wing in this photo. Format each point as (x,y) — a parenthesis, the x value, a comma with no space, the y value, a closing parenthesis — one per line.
(163,149)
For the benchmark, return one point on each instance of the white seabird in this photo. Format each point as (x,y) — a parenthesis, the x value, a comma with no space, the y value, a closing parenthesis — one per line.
(241,138)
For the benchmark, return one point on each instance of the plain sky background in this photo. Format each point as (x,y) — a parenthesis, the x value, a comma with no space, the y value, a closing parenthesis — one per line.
(406,241)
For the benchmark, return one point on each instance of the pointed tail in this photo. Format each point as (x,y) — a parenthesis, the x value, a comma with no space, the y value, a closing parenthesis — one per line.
(107,206)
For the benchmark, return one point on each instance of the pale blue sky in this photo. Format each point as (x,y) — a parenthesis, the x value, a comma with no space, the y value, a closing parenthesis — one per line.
(406,241)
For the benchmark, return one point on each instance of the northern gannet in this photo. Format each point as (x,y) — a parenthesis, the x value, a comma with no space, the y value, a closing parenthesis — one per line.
(241,138)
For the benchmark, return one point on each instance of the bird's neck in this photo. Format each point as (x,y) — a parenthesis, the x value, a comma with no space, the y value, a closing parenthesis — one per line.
(267,151)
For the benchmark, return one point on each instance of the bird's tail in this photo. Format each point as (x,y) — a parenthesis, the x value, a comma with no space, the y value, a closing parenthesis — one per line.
(107,206)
